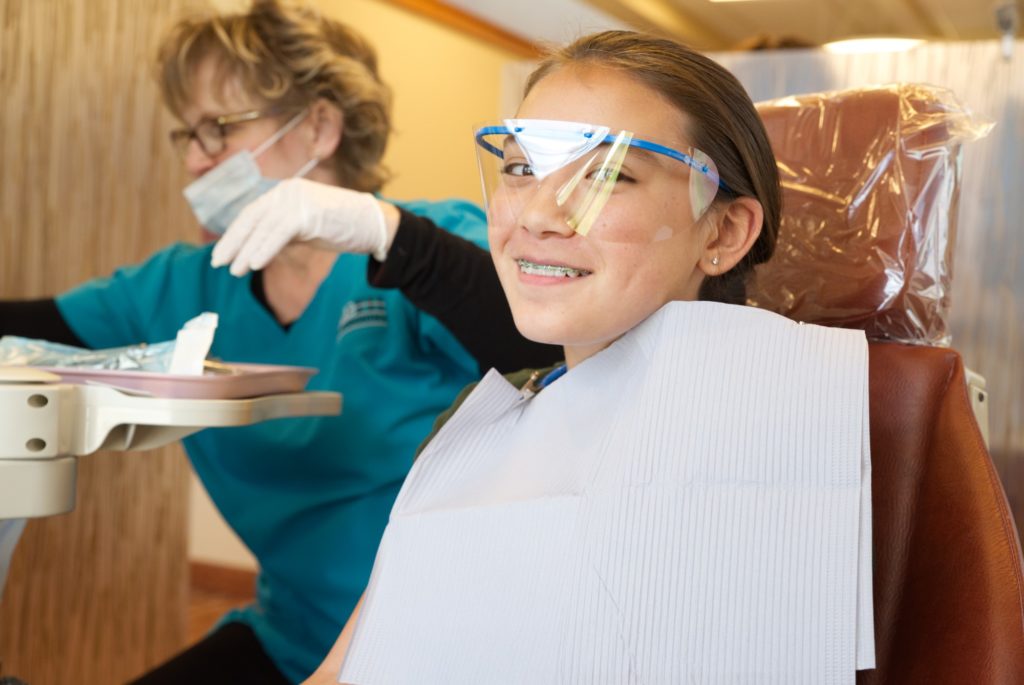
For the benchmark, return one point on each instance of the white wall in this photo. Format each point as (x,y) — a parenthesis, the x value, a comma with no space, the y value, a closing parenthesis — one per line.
(210,540)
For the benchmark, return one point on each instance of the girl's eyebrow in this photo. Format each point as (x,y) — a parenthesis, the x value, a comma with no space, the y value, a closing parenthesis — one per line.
(660,160)
(645,156)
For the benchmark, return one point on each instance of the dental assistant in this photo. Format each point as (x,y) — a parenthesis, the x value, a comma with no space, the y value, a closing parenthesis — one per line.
(397,323)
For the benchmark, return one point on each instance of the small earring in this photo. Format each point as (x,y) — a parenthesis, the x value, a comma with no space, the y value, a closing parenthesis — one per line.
(714,261)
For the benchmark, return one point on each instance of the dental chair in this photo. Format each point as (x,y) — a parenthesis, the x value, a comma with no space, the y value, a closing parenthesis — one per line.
(870,185)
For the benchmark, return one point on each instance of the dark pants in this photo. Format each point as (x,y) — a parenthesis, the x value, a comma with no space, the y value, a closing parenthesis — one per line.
(230,654)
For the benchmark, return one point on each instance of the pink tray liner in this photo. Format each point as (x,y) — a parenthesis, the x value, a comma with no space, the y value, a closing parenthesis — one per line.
(255,380)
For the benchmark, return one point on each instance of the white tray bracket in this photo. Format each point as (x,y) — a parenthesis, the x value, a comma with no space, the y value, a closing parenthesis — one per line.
(45,425)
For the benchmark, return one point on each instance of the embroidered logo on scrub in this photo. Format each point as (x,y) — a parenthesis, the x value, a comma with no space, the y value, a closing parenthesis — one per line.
(360,314)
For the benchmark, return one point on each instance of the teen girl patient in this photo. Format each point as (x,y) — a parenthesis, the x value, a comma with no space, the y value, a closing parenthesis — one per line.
(684,500)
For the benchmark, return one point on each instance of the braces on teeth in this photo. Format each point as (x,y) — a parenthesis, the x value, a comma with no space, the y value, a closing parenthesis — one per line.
(532,269)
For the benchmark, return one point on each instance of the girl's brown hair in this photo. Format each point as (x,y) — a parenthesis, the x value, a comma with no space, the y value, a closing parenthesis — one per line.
(723,123)
(288,56)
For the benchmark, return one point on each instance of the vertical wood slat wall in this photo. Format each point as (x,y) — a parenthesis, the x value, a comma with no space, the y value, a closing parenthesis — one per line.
(88,183)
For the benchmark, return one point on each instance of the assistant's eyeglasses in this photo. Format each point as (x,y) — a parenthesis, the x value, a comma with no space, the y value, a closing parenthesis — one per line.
(211,132)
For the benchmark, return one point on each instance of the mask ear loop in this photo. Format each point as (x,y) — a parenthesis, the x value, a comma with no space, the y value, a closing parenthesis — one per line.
(281,133)
(582,220)
(307,167)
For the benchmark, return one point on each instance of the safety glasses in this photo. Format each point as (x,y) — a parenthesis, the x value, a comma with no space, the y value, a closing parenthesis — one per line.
(573,170)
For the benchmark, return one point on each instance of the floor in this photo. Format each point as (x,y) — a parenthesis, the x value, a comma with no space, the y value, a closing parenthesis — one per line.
(206,606)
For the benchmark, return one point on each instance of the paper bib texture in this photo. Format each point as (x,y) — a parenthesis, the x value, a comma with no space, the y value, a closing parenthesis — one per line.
(690,505)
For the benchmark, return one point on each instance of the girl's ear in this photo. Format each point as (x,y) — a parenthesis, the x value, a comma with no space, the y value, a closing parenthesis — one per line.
(734,233)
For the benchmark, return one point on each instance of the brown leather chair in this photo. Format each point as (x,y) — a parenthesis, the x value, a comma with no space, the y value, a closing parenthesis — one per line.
(871,180)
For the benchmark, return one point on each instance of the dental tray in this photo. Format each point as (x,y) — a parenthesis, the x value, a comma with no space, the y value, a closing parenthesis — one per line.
(230,382)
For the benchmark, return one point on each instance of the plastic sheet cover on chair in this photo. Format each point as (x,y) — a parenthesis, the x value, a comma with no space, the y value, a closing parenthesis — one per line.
(870,179)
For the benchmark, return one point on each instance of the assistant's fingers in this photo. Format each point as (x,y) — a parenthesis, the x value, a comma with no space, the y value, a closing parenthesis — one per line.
(238,233)
(268,236)
(273,241)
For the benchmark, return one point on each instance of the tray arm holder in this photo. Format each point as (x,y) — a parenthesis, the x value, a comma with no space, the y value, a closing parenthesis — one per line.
(46,425)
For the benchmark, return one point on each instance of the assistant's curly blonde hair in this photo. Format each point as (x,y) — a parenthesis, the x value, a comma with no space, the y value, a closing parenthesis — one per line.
(288,55)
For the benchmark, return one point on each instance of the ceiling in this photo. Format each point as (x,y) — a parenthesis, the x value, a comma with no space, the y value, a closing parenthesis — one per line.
(713,25)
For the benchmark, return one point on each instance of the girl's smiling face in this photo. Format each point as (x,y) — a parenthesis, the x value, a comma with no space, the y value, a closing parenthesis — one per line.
(621,281)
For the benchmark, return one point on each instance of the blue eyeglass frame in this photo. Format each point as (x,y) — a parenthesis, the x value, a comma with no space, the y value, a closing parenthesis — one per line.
(608,139)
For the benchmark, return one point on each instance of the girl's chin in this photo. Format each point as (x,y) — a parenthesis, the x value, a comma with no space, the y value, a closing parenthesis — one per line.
(553,331)
(540,335)
(539,331)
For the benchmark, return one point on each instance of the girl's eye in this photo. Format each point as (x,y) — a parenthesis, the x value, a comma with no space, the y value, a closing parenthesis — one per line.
(517,169)
(606,175)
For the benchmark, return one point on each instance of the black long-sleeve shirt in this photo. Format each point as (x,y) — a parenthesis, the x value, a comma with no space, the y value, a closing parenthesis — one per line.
(454,280)
(36,319)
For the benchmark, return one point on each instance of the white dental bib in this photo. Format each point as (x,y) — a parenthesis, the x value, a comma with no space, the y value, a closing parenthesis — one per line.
(690,505)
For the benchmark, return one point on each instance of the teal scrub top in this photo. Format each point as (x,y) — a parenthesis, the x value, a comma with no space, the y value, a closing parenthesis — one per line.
(309,496)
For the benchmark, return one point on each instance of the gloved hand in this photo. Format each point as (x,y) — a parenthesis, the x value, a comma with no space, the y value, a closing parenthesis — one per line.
(298,210)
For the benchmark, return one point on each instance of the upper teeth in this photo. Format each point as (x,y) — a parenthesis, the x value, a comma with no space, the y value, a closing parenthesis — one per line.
(549,270)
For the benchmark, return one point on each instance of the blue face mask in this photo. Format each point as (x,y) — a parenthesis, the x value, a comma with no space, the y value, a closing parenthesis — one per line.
(218,196)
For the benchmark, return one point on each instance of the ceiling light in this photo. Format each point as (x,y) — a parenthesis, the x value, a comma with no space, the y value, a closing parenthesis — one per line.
(872,44)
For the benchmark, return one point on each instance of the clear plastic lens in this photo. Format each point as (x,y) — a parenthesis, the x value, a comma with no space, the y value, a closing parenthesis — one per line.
(704,183)
(567,172)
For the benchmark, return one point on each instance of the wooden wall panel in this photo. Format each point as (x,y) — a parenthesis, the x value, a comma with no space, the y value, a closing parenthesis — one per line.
(87,183)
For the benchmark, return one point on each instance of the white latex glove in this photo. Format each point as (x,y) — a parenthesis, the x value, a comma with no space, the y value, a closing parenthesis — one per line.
(298,210)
